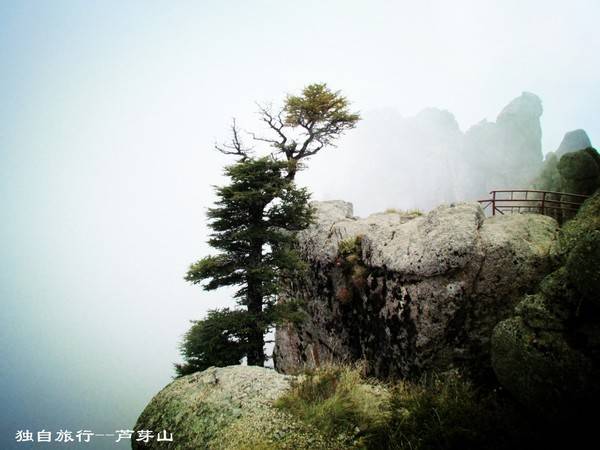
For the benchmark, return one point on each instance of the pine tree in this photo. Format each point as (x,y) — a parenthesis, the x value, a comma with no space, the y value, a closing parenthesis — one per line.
(253,228)
(253,225)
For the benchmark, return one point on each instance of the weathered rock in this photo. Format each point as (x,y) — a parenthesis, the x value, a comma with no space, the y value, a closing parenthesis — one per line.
(548,354)
(413,292)
(573,141)
(225,408)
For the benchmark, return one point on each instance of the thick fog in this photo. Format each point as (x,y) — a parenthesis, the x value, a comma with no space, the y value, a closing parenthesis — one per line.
(421,161)
(108,114)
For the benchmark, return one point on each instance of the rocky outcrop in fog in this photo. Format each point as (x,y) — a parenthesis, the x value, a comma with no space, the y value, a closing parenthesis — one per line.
(410,292)
(573,141)
(504,154)
(425,160)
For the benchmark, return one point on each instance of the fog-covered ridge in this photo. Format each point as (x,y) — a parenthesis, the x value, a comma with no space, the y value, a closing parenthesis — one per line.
(424,160)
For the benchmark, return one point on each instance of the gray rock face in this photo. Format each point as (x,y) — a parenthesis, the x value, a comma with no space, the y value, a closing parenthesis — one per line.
(573,141)
(414,292)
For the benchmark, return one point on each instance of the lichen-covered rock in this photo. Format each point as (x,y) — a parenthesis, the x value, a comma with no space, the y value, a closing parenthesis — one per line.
(536,313)
(409,292)
(225,408)
(548,354)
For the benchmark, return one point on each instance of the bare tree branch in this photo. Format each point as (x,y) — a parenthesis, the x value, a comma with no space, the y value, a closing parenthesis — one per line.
(236,146)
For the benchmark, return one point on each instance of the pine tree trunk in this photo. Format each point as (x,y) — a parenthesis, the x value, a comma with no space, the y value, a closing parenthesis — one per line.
(256,338)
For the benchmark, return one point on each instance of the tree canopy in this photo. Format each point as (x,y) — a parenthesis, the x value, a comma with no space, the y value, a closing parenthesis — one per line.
(305,125)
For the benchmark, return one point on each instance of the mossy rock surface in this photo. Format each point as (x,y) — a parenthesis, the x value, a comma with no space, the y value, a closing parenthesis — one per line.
(579,165)
(540,368)
(576,229)
(225,408)
(583,266)
(538,314)
(580,171)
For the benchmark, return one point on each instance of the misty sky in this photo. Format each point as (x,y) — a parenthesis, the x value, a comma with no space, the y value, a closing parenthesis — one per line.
(108,114)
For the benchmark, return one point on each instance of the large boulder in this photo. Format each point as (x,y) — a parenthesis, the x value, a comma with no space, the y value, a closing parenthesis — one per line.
(410,292)
(548,354)
(225,408)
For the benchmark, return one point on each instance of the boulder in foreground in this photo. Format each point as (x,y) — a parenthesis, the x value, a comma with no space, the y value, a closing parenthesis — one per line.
(225,408)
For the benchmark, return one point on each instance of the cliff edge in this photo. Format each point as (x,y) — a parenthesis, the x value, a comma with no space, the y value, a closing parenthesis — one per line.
(409,292)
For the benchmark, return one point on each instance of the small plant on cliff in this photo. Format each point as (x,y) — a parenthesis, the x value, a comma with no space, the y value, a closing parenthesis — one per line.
(339,402)
(409,212)
(355,273)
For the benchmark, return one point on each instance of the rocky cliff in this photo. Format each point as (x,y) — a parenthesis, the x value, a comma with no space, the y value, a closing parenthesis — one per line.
(410,292)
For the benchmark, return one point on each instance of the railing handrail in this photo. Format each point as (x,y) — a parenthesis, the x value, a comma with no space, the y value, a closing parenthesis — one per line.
(543,203)
(540,192)
(534,200)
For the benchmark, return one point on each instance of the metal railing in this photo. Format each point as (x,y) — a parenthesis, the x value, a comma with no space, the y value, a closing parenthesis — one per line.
(532,201)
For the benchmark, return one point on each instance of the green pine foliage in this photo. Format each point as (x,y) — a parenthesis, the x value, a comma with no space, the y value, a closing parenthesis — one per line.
(221,339)
(253,225)
(308,123)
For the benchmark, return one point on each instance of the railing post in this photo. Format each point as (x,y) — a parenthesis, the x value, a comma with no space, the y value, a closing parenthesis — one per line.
(493,203)
(543,203)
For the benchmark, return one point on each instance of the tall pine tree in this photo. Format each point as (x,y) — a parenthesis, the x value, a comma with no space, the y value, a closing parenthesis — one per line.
(253,225)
